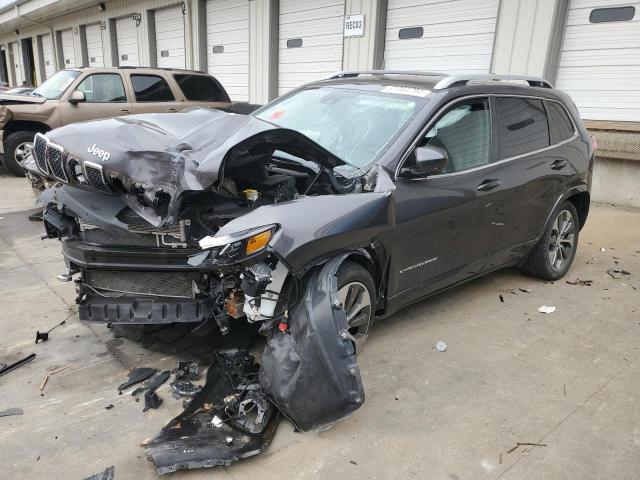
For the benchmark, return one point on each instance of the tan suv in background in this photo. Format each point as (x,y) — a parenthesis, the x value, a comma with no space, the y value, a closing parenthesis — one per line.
(81,94)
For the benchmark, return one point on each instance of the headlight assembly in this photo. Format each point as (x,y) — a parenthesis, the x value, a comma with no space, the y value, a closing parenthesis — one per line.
(241,244)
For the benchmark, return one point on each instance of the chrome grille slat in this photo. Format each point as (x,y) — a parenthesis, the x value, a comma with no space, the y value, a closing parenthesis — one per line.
(40,152)
(56,158)
(93,174)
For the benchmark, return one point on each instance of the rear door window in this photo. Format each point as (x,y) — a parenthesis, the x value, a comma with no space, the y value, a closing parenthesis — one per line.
(151,88)
(560,126)
(103,88)
(201,88)
(523,126)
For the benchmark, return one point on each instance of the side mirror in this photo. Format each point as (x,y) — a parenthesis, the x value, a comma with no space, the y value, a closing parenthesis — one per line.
(428,161)
(76,97)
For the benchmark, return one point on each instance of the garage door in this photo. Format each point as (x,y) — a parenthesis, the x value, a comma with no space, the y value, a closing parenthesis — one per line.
(170,48)
(127,42)
(68,52)
(310,43)
(600,59)
(47,56)
(18,67)
(93,36)
(228,45)
(440,36)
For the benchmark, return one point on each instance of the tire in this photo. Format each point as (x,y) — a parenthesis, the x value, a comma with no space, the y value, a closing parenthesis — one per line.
(356,285)
(552,245)
(13,147)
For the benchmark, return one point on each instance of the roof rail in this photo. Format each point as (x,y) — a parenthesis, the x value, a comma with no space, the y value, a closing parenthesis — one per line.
(357,73)
(461,80)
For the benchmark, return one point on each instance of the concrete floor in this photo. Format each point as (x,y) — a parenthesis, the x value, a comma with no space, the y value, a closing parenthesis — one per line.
(568,380)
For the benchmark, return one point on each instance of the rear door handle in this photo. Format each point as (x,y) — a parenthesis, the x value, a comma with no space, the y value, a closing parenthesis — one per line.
(559,164)
(125,111)
(488,184)
(172,110)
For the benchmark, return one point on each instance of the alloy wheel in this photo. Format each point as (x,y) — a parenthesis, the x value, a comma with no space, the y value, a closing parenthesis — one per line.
(561,242)
(356,301)
(22,151)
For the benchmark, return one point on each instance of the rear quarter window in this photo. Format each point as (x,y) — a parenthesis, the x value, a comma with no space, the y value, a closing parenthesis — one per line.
(523,126)
(201,88)
(560,125)
(151,88)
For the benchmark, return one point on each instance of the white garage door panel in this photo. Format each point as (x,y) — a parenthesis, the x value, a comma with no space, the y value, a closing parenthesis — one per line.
(47,56)
(320,26)
(127,42)
(600,63)
(228,28)
(169,25)
(93,35)
(68,52)
(17,63)
(458,35)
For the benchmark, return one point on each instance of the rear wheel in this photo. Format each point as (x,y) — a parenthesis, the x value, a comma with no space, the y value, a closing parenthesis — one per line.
(17,147)
(554,254)
(357,294)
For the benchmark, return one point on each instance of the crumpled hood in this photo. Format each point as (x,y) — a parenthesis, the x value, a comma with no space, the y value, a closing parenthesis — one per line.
(177,152)
(13,99)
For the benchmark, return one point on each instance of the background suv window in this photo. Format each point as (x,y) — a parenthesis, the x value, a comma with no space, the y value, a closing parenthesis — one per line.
(103,88)
(201,88)
(464,132)
(523,126)
(151,88)
(560,126)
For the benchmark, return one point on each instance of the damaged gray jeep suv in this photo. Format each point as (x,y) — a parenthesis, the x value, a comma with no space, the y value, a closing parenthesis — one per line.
(331,207)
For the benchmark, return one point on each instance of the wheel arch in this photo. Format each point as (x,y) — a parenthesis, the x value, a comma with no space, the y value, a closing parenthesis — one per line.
(25,126)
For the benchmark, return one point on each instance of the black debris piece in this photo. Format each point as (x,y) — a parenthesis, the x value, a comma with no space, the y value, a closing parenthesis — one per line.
(137,375)
(11,411)
(188,370)
(44,336)
(501,299)
(153,384)
(108,407)
(17,364)
(228,420)
(185,388)
(583,283)
(107,474)
(613,273)
(151,400)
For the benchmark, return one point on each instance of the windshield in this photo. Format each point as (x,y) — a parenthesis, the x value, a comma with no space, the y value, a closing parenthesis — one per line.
(54,87)
(354,125)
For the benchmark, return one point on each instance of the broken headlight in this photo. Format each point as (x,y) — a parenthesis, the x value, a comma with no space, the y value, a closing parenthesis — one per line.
(240,244)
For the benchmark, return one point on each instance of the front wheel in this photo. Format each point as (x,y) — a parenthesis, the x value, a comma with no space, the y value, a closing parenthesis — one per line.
(17,147)
(357,294)
(553,255)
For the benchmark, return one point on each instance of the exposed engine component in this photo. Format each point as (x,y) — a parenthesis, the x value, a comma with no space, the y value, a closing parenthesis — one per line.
(261,296)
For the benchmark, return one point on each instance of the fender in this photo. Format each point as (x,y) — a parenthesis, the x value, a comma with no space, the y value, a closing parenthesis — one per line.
(565,195)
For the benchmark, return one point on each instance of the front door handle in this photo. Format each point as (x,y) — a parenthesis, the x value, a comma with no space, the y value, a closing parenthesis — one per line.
(172,110)
(125,111)
(488,184)
(559,164)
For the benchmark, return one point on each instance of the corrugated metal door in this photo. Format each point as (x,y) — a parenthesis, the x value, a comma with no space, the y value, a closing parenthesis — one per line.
(440,36)
(93,36)
(127,42)
(310,43)
(47,56)
(18,66)
(228,45)
(68,52)
(600,62)
(170,48)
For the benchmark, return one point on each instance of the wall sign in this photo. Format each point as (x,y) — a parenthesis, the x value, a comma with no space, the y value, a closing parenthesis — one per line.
(354,25)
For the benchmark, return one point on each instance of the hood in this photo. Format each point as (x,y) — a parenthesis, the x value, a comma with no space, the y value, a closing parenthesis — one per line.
(15,99)
(171,153)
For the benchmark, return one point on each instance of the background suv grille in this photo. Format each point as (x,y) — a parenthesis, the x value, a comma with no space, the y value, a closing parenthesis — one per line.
(56,158)
(95,178)
(40,151)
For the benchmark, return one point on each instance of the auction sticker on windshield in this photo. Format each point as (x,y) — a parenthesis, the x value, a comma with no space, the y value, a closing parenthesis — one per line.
(414,92)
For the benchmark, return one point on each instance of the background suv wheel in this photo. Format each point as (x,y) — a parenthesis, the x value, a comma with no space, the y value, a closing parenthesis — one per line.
(16,147)
(554,253)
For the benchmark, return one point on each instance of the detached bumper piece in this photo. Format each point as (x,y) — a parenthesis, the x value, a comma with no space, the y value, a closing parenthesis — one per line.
(140,311)
(228,420)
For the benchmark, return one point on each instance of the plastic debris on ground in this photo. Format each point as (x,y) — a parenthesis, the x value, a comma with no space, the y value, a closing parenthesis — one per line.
(441,346)
(546,309)
(11,411)
(107,474)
